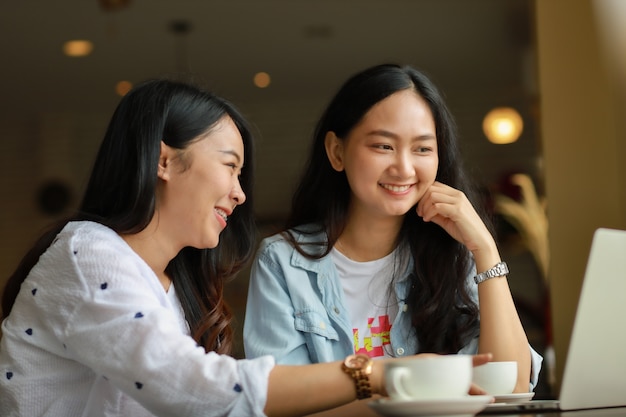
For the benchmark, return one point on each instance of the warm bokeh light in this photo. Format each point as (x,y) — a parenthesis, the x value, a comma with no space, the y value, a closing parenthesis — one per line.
(77,48)
(262,79)
(123,87)
(503,125)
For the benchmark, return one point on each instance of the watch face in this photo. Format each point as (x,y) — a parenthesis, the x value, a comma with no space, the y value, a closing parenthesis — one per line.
(357,361)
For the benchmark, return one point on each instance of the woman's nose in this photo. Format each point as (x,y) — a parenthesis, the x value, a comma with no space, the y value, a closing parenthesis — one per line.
(403,165)
(237,194)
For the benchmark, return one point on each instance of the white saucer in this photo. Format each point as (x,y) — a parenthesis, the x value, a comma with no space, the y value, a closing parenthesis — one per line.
(453,407)
(514,398)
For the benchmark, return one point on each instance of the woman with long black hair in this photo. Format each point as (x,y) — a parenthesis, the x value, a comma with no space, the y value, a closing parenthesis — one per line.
(386,251)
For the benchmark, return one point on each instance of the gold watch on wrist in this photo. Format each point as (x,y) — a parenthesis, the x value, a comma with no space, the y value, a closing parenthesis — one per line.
(359,367)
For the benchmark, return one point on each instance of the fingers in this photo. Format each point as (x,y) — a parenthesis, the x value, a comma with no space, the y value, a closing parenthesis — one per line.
(450,209)
(426,201)
(477,360)
(476,390)
(427,355)
(440,199)
(481,358)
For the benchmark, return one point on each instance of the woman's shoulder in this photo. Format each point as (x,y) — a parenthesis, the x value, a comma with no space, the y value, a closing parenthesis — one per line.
(91,241)
(275,246)
(84,227)
(82,252)
(308,233)
(94,252)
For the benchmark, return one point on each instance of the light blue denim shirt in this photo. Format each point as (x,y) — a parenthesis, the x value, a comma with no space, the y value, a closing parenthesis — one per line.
(296,311)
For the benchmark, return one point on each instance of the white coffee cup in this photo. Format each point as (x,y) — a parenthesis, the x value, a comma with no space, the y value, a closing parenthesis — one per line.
(429,378)
(497,378)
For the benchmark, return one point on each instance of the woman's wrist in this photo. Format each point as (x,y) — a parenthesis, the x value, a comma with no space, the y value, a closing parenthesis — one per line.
(486,257)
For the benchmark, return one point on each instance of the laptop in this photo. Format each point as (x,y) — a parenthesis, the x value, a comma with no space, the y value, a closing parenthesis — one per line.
(595,367)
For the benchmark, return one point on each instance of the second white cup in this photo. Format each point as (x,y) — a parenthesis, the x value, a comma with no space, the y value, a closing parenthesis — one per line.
(497,378)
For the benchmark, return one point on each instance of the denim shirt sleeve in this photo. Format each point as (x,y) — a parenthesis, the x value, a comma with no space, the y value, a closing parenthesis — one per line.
(295,309)
(270,314)
(472,346)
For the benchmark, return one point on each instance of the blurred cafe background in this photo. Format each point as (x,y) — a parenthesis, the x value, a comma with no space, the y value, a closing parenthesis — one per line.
(536,86)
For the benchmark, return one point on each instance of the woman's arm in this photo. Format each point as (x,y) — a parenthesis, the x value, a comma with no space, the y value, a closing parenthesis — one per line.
(296,390)
(353,409)
(300,390)
(501,331)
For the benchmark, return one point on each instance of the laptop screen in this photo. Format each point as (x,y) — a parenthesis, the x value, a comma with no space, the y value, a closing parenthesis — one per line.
(595,367)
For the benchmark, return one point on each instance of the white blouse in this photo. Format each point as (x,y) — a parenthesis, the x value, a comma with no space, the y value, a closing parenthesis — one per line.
(93,333)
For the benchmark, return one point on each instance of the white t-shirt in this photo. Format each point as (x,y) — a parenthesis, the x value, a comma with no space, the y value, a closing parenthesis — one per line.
(372,308)
(93,333)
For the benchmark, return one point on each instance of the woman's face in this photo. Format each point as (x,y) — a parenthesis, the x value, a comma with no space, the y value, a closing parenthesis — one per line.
(201,186)
(390,158)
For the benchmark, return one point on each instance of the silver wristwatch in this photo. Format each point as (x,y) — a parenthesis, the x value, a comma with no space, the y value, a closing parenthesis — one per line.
(500,270)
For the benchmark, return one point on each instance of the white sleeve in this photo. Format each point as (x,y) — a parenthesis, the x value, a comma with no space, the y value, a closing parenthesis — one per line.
(118,325)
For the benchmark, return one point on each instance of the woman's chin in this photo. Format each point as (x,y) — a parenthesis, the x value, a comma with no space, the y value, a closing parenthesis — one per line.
(208,243)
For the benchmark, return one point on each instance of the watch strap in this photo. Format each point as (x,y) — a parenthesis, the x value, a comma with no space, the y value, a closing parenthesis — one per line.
(362,383)
(499,270)
(359,368)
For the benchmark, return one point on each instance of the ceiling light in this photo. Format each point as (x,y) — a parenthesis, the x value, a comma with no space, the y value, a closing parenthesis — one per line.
(503,125)
(123,87)
(77,48)
(262,79)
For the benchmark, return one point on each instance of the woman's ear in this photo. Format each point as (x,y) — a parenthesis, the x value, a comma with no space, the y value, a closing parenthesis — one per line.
(334,150)
(165,162)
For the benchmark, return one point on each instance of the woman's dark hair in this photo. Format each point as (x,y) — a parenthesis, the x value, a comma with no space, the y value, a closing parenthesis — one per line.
(121,194)
(438,301)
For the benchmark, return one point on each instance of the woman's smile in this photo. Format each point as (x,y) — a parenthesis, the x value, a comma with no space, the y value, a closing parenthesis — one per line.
(397,189)
(222,216)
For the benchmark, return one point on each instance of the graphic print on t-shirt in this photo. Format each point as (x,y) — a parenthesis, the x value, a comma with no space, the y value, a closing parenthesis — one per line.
(372,339)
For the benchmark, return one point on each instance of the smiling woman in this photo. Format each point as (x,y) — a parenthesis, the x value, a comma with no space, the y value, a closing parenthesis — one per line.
(167,177)
(392,153)
(384,239)
(200,189)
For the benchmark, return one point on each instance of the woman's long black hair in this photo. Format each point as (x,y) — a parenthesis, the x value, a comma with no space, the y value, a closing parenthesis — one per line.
(439,303)
(121,194)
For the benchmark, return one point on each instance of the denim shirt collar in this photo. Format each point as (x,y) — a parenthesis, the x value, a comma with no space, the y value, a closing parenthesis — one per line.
(324,267)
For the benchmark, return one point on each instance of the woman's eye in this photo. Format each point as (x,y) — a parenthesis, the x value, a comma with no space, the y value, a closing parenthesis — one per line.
(236,169)
(383,147)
